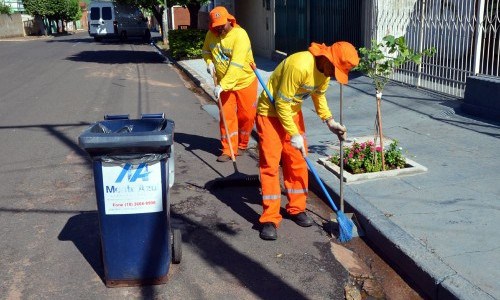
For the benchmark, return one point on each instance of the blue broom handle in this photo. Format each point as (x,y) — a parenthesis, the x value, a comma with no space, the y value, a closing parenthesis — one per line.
(309,164)
(254,67)
(318,180)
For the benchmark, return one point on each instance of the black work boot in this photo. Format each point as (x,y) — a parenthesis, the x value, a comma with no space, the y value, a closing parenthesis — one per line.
(302,219)
(268,231)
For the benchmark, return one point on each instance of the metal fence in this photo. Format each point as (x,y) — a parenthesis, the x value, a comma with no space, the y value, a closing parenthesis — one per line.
(465,33)
(300,22)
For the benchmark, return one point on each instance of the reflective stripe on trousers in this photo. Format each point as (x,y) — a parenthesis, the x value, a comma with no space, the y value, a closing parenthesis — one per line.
(274,145)
(239,109)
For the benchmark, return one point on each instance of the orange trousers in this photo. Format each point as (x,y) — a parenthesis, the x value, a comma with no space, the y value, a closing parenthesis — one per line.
(274,145)
(239,108)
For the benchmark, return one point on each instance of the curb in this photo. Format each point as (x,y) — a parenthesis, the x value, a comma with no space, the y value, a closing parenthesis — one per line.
(422,268)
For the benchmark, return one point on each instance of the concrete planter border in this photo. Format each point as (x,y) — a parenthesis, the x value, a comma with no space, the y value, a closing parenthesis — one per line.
(411,168)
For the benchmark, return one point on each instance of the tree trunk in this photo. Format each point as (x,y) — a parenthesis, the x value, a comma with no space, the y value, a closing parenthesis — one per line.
(49,26)
(380,131)
(158,13)
(40,24)
(194,8)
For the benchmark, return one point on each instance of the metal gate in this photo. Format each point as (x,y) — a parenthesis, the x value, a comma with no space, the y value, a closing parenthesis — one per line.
(465,33)
(300,22)
(334,21)
(291,25)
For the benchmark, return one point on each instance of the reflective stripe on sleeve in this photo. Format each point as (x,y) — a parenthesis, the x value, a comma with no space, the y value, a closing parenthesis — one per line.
(280,95)
(236,65)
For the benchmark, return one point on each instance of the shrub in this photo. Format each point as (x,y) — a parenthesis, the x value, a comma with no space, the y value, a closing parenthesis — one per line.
(367,157)
(186,43)
(5,9)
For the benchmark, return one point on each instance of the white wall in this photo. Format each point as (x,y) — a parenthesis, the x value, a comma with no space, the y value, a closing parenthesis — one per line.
(11,25)
(259,24)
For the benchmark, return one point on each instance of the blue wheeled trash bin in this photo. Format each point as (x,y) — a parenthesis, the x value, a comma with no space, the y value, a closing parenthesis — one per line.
(133,165)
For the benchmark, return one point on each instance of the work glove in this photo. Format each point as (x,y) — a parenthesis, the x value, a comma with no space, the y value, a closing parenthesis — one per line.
(217,91)
(211,69)
(338,129)
(297,142)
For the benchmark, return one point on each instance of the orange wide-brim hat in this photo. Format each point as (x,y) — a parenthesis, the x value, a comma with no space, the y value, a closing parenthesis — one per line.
(342,55)
(219,16)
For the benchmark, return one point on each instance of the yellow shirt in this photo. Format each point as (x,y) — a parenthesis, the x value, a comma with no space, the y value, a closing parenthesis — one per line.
(231,54)
(292,81)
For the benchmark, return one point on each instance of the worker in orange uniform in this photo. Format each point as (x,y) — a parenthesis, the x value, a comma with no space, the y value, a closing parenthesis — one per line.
(227,52)
(281,129)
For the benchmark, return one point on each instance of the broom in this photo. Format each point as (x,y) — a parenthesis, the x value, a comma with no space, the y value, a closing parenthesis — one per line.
(236,178)
(345,224)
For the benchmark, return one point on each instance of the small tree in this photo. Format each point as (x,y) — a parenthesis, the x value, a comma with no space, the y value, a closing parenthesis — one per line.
(5,9)
(39,9)
(379,63)
(70,11)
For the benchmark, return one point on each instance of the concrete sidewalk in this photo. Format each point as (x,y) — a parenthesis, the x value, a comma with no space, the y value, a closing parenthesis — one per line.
(438,227)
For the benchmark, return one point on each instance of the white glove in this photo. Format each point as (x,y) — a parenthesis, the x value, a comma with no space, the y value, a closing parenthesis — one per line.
(297,142)
(217,91)
(338,129)
(211,69)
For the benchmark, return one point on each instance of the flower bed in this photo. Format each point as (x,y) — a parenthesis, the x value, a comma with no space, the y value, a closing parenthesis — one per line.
(363,161)
(365,157)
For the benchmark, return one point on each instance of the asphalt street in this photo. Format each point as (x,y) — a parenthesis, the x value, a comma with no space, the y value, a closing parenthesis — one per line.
(52,90)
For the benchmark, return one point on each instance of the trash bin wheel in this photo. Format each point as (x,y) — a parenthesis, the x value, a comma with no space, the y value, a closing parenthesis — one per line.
(176,246)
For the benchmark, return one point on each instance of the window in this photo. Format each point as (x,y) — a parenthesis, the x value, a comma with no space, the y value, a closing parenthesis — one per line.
(106,13)
(95,13)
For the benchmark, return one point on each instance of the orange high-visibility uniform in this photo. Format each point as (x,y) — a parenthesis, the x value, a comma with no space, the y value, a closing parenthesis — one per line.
(231,54)
(292,81)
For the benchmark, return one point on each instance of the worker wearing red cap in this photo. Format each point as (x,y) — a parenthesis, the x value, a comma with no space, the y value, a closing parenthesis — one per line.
(227,52)
(281,129)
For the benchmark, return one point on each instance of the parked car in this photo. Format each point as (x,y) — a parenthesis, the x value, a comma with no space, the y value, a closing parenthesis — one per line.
(111,19)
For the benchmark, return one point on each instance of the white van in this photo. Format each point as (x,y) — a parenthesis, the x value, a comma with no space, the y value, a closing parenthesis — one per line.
(111,19)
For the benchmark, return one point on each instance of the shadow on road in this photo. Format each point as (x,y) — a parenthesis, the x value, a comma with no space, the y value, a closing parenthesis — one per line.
(83,230)
(81,37)
(195,142)
(118,57)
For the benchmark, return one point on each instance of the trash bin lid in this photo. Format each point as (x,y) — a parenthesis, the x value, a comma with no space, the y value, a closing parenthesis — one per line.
(126,136)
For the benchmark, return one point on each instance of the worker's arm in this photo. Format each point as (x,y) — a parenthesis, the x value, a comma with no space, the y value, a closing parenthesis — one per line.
(324,113)
(206,52)
(319,99)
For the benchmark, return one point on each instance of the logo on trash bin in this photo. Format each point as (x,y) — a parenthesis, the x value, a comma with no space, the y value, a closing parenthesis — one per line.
(140,173)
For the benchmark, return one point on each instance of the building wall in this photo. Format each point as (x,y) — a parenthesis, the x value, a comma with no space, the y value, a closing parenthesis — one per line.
(84,19)
(11,25)
(257,19)
(203,18)
(16,5)
(181,17)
